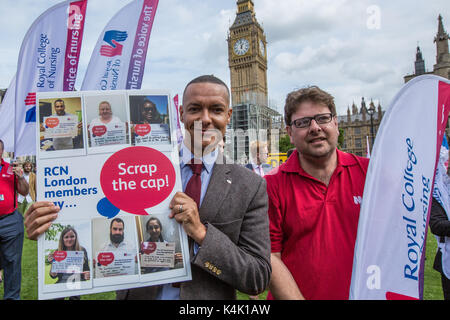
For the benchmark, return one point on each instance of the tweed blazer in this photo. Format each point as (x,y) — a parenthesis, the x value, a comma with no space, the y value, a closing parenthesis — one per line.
(235,253)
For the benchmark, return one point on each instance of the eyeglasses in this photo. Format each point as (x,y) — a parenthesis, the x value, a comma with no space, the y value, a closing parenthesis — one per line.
(153,228)
(306,121)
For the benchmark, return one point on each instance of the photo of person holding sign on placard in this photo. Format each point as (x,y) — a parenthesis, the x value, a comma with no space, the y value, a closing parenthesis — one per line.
(149,117)
(70,261)
(61,129)
(156,253)
(118,255)
(110,126)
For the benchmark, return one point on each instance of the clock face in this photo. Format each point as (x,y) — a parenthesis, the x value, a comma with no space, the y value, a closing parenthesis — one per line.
(241,46)
(261,47)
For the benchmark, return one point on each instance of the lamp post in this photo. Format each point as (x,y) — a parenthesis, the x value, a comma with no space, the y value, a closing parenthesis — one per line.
(371,111)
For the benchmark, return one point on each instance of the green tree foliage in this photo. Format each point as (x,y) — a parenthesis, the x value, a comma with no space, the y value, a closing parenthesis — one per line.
(54,231)
(340,138)
(285,144)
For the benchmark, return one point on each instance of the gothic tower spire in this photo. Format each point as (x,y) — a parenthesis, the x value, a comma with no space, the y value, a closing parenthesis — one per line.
(420,63)
(442,66)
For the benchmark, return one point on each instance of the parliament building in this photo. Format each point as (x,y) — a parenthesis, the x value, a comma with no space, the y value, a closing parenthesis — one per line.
(357,125)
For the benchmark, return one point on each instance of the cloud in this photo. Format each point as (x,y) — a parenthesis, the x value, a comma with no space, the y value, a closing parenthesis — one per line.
(310,57)
(367,72)
(298,19)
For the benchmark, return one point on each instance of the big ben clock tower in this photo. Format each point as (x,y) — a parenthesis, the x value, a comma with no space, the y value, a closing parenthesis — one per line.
(247,57)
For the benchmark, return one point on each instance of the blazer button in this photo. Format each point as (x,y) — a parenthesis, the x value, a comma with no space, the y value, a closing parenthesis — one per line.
(218,272)
(206,264)
(215,270)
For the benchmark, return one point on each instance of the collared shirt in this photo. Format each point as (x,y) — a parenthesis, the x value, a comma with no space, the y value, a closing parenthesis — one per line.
(186,172)
(314,226)
(168,292)
(258,169)
(123,246)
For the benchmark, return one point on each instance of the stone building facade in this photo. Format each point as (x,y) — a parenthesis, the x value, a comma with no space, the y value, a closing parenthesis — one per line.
(442,66)
(357,123)
(357,127)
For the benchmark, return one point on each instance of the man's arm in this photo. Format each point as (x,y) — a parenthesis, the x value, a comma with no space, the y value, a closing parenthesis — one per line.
(21,183)
(282,285)
(236,252)
(244,264)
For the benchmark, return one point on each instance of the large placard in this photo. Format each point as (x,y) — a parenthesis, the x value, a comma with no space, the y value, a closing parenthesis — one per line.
(113,187)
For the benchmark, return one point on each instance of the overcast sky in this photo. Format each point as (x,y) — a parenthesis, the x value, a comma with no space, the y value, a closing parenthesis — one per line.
(351,48)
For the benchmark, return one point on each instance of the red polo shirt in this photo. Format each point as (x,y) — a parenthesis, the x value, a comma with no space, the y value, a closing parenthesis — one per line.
(314,226)
(8,201)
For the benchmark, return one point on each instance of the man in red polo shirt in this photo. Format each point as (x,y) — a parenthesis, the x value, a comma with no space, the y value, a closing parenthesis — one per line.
(314,204)
(11,226)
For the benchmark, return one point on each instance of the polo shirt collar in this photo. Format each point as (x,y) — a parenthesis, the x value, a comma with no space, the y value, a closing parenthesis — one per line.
(293,165)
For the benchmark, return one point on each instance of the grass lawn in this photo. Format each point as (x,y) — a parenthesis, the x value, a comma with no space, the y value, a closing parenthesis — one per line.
(432,281)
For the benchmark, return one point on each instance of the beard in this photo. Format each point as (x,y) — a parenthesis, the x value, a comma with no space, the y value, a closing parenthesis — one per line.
(116,238)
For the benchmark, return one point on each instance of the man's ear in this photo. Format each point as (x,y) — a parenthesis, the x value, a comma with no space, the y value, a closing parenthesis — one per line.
(289,132)
(230,112)
(180,110)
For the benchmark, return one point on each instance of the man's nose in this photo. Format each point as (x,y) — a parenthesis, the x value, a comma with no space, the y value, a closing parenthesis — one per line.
(205,117)
(314,126)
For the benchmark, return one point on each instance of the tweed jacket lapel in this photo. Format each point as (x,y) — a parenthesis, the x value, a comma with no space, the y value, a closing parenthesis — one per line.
(217,191)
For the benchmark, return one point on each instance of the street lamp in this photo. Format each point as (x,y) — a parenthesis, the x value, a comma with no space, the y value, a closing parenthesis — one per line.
(371,111)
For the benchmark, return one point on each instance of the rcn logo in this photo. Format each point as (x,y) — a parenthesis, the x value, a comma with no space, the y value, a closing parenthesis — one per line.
(113,48)
(30,104)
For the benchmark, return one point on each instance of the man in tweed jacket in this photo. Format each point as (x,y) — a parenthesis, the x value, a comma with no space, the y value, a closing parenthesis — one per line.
(229,233)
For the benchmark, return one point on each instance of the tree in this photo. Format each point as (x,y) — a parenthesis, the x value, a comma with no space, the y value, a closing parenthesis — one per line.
(285,144)
(54,231)
(340,139)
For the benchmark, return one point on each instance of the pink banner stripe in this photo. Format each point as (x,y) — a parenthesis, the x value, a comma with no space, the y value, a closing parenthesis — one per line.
(139,53)
(75,23)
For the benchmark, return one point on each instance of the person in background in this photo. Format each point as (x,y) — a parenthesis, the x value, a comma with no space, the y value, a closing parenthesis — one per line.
(30,177)
(258,158)
(440,227)
(12,182)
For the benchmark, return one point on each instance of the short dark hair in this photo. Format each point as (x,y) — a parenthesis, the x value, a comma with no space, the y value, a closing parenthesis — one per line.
(149,101)
(3,145)
(117,220)
(207,79)
(312,94)
(59,100)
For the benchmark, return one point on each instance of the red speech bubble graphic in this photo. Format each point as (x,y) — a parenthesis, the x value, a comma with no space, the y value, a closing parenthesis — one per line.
(105,258)
(142,129)
(59,255)
(98,131)
(137,178)
(148,247)
(51,122)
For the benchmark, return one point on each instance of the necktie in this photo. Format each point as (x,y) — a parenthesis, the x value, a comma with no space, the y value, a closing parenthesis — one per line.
(193,190)
(194,185)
